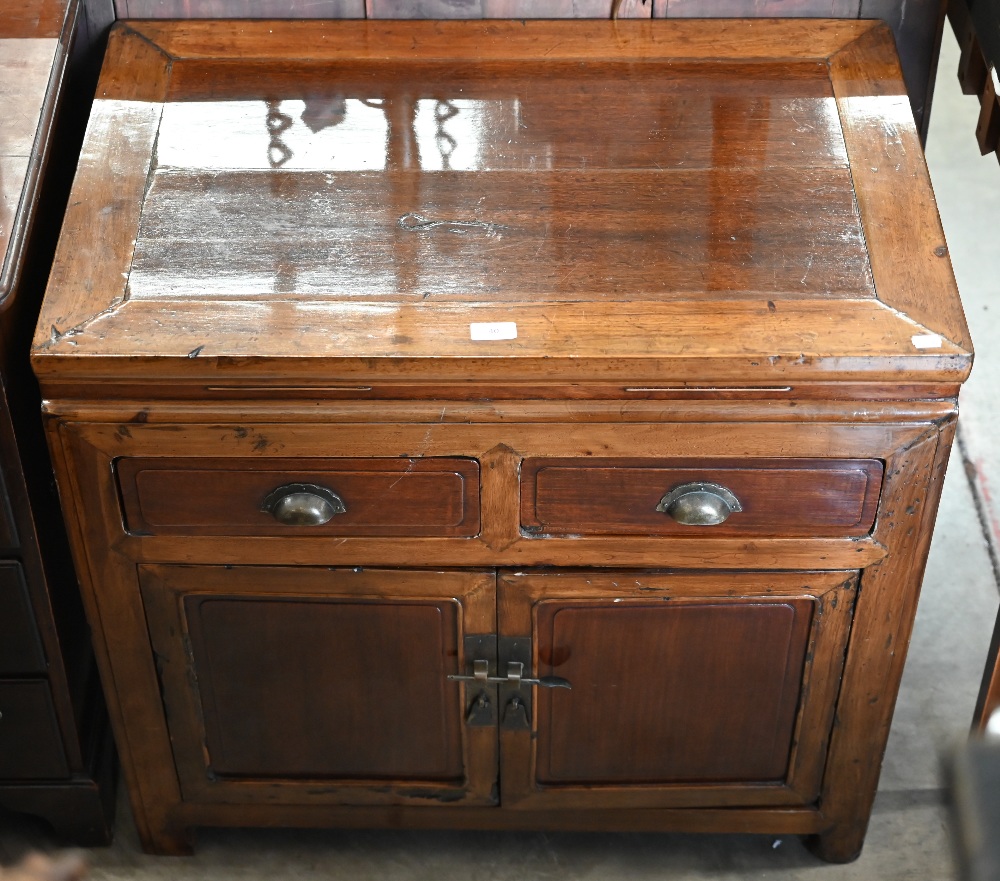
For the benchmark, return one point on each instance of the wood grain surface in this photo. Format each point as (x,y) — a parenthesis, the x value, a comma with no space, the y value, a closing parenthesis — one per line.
(688,653)
(448,9)
(284,277)
(883,621)
(434,496)
(33,19)
(240,9)
(635,235)
(777,497)
(510,41)
(916,24)
(381,722)
(440,194)
(756,8)
(811,611)
(909,255)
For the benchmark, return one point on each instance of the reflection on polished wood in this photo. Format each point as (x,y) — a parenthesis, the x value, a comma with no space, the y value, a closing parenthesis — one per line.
(714,180)
(640,236)
(747,8)
(915,23)
(240,8)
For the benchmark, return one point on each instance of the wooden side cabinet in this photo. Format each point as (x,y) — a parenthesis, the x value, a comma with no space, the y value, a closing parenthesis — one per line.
(56,756)
(509,425)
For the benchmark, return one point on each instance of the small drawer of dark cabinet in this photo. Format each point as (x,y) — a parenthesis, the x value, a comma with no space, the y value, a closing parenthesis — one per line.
(332,497)
(8,532)
(20,646)
(778,497)
(30,742)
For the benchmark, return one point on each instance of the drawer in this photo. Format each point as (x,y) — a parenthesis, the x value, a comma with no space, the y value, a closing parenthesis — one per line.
(8,531)
(780,497)
(20,645)
(30,744)
(340,497)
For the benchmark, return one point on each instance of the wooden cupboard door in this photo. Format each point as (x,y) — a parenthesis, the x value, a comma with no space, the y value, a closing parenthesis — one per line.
(686,689)
(321,685)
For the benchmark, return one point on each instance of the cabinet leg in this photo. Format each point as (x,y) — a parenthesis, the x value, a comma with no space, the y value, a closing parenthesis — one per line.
(168,842)
(838,845)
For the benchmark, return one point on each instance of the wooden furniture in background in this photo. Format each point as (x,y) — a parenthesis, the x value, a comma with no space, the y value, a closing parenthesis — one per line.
(56,755)
(976,26)
(401,374)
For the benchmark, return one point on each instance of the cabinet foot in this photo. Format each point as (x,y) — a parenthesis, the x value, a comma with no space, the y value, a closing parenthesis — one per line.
(838,846)
(171,842)
(80,810)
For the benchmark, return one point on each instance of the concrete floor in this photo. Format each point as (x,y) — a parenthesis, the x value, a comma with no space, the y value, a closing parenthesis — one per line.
(909,836)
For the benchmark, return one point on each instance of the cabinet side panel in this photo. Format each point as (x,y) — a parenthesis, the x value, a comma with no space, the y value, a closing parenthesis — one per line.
(879,640)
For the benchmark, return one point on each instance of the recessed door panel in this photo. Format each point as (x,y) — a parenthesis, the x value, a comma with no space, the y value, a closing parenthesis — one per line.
(327,687)
(705,689)
(691,690)
(318,684)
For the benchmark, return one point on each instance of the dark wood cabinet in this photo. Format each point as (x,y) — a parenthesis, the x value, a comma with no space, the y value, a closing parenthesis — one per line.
(21,648)
(444,448)
(56,756)
(31,746)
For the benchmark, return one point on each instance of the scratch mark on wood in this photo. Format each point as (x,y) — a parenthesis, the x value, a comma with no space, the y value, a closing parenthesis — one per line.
(412,222)
(56,336)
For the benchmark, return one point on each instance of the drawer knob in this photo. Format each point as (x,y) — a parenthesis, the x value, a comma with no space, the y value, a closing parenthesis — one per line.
(303,504)
(699,504)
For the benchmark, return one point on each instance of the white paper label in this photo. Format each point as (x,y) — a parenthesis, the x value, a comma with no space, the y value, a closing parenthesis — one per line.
(493,330)
(926,341)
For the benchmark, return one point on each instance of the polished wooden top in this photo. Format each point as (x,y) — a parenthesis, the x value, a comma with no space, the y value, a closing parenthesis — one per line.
(693,201)
(32,48)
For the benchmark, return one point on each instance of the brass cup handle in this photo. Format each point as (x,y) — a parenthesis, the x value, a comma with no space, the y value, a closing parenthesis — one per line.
(303,504)
(699,504)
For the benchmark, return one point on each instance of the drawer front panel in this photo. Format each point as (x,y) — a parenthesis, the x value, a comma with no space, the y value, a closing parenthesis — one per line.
(775,496)
(30,745)
(8,532)
(401,497)
(20,645)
